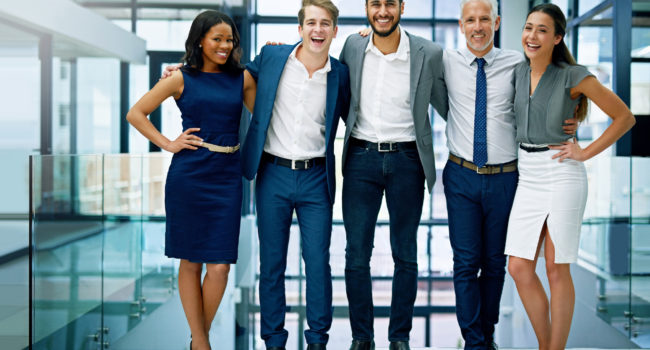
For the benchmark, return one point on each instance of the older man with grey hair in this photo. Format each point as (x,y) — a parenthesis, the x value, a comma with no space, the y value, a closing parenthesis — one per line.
(481,175)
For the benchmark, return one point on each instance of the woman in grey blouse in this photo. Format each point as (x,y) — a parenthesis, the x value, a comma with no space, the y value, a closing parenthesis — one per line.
(549,204)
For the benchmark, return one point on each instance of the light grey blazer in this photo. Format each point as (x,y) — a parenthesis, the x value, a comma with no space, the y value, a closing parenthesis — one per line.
(427,87)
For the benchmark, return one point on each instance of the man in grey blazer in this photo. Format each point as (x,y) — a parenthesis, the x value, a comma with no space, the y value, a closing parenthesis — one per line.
(394,76)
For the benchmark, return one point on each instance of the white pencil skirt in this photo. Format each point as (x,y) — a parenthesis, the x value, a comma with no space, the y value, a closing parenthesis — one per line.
(547,191)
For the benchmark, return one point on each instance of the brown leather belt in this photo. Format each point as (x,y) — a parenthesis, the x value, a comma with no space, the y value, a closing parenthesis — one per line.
(486,169)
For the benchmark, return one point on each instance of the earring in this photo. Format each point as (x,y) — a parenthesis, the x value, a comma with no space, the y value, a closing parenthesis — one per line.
(200,46)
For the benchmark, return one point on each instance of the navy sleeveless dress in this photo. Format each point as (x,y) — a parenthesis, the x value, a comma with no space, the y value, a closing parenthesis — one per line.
(203,192)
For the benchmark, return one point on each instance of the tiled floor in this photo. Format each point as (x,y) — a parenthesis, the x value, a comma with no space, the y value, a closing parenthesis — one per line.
(14,314)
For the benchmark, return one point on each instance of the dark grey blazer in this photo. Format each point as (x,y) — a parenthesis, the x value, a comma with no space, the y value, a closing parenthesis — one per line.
(427,87)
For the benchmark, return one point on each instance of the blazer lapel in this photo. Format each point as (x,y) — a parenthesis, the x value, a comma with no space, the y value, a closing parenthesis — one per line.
(275,64)
(417,59)
(332,96)
(358,62)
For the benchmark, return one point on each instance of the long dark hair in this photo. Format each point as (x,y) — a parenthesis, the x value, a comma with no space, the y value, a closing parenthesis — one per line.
(561,54)
(193,57)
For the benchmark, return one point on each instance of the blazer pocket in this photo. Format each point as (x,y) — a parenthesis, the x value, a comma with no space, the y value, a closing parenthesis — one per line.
(427,140)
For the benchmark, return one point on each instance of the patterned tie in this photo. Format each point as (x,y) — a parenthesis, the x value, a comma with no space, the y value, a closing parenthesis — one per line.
(480,116)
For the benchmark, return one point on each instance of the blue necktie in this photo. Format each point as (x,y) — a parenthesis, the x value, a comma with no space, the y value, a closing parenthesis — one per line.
(480,116)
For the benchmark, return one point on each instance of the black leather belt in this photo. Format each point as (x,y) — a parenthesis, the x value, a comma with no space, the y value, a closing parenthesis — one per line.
(383,146)
(302,164)
(533,149)
(486,169)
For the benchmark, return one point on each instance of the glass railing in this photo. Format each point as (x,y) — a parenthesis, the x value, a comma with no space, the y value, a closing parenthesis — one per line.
(98,270)
(97,237)
(615,244)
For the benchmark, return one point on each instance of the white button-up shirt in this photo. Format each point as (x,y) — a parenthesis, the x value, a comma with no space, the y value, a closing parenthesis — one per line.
(297,127)
(385,105)
(460,76)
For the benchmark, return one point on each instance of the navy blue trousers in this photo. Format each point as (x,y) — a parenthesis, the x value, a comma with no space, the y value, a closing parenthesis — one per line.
(279,192)
(478,207)
(368,174)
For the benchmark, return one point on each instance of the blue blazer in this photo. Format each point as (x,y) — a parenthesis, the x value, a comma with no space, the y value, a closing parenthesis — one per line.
(267,70)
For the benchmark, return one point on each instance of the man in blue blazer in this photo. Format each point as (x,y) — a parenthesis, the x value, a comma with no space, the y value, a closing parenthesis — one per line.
(301,93)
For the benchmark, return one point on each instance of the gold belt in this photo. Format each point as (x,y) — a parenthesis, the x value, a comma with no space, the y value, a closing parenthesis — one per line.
(220,149)
(486,169)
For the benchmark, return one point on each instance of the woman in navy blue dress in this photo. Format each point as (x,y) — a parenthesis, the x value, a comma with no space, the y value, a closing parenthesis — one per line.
(203,192)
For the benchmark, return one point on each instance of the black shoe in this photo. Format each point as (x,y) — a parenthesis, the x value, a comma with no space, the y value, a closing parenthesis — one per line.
(276,348)
(315,346)
(399,345)
(362,345)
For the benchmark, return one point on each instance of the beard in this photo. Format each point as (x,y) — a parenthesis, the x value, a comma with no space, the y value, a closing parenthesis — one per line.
(386,33)
(485,46)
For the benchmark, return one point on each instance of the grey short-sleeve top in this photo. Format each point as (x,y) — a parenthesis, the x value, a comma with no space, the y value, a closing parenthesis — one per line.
(539,117)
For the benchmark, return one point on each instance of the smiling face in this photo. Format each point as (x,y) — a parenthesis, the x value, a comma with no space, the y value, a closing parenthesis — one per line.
(384,15)
(478,26)
(217,44)
(539,37)
(317,30)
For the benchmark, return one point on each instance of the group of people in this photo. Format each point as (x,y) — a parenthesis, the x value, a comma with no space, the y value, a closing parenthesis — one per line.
(515,183)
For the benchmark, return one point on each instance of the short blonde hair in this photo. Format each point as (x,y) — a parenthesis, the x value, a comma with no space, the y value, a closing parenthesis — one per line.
(328,5)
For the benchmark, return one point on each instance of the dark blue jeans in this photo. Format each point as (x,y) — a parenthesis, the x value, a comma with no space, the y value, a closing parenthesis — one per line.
(367,175)
(478,207)
(279,192)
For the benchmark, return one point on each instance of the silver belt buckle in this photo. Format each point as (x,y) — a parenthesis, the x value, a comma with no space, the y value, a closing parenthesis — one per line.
(293,165)
(390,146)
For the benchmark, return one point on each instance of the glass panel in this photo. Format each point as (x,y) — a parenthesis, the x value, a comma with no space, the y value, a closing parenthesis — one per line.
(20,117)
(62,102)
(163,34)
(418,9)
(605,239)
(122,256)
(98,105)
(138,86)
(170,114)
(641,42)
(66,265)
(448,9)
(585,5)
(563,5)
(445,332)
(448,36)
(278,8)
(640,89)
(595,52)
(640,252)
(159,273)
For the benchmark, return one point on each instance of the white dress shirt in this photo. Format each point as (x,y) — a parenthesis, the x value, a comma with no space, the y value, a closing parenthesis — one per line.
(460,76)
(385,106)
(297,127)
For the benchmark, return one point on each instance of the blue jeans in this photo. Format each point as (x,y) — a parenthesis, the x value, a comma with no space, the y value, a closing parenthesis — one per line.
(279,192)
(478,207)
(367,175)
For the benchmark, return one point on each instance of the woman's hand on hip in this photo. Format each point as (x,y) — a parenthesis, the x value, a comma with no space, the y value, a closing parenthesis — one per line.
(185,141)
(569,150)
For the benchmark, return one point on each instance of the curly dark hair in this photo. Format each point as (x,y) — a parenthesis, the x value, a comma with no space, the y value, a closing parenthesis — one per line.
(193,58)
